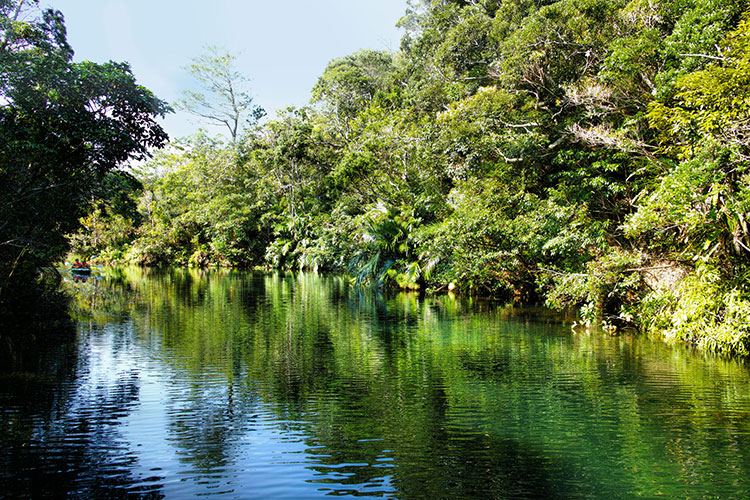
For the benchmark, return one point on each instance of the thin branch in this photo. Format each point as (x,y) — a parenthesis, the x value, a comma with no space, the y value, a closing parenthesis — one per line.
(723,59)
(10,26)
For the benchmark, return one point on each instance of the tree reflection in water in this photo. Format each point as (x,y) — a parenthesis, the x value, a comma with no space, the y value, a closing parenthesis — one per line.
(61,418)
(296,386)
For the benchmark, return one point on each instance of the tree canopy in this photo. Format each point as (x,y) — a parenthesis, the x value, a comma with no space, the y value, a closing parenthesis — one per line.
(576,153)
(63,127)
(223,97)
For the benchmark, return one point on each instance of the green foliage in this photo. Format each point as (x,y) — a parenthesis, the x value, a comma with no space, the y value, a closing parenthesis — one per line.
(497,235)
(606,292)
(535,151)
(701,205)
(198,210)
(112,221)
(488,130)
(557,44)
(349,84)
(64,127)
(468,48)
(711,105)
(101,232)
(707,309)
(386,249)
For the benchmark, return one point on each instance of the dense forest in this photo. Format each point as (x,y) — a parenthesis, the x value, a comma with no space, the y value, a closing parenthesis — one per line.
(574,153)
(66,130)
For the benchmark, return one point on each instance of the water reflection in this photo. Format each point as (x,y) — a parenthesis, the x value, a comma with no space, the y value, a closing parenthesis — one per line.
(61,422)
(189,383)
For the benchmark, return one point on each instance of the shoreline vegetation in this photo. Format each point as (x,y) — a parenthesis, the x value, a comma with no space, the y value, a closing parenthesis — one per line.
(587,154)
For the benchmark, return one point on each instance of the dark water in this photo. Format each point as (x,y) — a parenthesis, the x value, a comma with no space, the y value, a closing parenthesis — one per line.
(237,385)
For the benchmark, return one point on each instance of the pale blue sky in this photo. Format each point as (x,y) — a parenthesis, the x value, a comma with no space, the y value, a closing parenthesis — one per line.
(283,46)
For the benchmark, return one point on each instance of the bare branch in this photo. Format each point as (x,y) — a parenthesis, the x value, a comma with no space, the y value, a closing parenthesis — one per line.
(723,59)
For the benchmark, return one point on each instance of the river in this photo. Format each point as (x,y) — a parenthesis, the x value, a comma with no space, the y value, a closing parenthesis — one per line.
(178,384)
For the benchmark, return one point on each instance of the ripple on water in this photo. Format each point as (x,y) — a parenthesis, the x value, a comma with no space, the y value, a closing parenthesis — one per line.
(282,392)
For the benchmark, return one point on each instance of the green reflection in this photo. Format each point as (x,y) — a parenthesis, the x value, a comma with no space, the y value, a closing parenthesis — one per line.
(430,397)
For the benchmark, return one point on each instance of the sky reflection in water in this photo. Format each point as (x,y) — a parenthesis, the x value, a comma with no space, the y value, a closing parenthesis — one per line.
(182,383)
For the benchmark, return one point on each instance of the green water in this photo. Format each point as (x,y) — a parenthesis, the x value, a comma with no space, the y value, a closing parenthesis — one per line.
(181,384)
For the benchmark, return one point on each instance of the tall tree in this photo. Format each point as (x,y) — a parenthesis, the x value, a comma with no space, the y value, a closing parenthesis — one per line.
(223,98)
(63,127)
(349,85)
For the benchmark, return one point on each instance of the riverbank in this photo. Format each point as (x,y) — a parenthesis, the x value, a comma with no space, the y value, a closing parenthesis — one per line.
(675,304)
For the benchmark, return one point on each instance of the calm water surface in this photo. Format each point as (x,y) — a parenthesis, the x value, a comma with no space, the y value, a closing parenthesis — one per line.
(184,384)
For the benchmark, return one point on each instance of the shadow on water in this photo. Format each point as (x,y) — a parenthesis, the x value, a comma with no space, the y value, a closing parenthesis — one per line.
(410,445)
(56,441)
